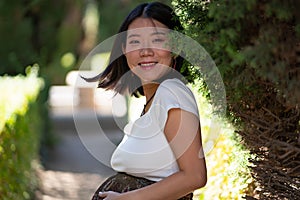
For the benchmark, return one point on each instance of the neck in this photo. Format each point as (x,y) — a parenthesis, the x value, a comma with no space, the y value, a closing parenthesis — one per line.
(150,89)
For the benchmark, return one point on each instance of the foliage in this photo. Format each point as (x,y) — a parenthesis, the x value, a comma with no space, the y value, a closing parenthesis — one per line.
(255,45)
(39,31)
(109,21)
(56,34)
(226,157)
(254,41)
(19,135)
(228,173)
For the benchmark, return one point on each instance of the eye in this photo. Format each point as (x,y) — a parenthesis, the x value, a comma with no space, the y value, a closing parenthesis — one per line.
(158,40)
(134,42)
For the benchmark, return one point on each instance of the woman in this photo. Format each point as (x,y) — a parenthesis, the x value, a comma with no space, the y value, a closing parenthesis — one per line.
(160,156)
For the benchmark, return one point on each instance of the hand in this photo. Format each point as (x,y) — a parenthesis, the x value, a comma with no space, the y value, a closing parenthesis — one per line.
(110,195)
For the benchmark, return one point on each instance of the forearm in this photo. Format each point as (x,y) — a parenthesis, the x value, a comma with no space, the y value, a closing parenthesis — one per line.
(170,188)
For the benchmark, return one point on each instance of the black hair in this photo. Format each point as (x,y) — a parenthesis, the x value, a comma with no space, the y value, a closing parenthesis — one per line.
(113,76)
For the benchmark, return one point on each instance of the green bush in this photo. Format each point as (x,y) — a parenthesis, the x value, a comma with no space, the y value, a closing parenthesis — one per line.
(255,45)
(20,125)
(40,31)
(228,174)
(227,162)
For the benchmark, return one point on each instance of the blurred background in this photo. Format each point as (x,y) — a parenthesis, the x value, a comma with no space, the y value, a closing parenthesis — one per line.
(254,151)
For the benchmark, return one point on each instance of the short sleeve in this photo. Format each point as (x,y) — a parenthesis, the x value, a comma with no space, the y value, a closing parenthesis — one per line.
(173,93)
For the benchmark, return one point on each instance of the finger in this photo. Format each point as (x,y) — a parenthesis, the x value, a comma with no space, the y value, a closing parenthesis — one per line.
(102,194)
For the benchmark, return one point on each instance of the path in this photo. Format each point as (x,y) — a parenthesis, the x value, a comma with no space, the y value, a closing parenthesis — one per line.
(71,172)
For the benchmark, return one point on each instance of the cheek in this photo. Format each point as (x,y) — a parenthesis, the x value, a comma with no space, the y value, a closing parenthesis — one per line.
(166,56)
(131,59)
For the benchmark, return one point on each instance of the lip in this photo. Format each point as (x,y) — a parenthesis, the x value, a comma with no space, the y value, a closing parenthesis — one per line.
(147,65)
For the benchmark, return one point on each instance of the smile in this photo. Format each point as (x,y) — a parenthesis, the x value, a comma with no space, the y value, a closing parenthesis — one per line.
(148,64)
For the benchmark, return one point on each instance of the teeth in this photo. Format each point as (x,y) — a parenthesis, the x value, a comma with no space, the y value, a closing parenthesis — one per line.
(147,64)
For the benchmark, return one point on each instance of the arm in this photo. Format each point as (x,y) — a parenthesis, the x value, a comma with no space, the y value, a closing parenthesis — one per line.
(182,130)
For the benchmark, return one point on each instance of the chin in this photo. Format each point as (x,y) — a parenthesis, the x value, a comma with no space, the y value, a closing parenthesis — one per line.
(149,80)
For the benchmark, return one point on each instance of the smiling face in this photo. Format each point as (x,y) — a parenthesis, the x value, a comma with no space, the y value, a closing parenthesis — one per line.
(146,49)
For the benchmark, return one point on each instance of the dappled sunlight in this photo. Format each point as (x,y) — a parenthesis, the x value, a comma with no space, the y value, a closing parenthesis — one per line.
(227,161)
(12,93)
(20,133)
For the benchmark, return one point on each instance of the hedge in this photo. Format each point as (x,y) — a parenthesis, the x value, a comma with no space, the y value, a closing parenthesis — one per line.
(227,158)
(20,132)
(255,45)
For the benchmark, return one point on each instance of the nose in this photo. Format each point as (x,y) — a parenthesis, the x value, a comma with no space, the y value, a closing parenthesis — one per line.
(146,49)
(146,52)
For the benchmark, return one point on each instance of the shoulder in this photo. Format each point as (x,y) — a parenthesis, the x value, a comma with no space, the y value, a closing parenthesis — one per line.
(174,82)
(174,87)
(173,93)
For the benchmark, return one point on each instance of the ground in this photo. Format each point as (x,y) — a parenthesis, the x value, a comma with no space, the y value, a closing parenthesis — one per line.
(70,171)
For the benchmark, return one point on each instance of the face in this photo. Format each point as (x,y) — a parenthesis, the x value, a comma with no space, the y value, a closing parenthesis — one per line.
(146,49)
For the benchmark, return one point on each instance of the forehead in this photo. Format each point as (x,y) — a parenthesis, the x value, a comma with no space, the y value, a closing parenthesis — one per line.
(146,25)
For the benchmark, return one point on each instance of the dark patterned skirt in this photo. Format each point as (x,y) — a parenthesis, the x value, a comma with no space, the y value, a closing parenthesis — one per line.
(122,182)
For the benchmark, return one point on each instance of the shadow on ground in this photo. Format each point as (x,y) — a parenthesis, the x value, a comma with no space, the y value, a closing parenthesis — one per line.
(70,170)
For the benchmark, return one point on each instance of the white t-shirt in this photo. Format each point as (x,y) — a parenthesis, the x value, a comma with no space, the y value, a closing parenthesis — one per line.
(144,150)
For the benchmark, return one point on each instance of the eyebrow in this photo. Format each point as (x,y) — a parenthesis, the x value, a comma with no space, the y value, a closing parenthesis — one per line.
(133,35)
(138,35)
(158,33)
